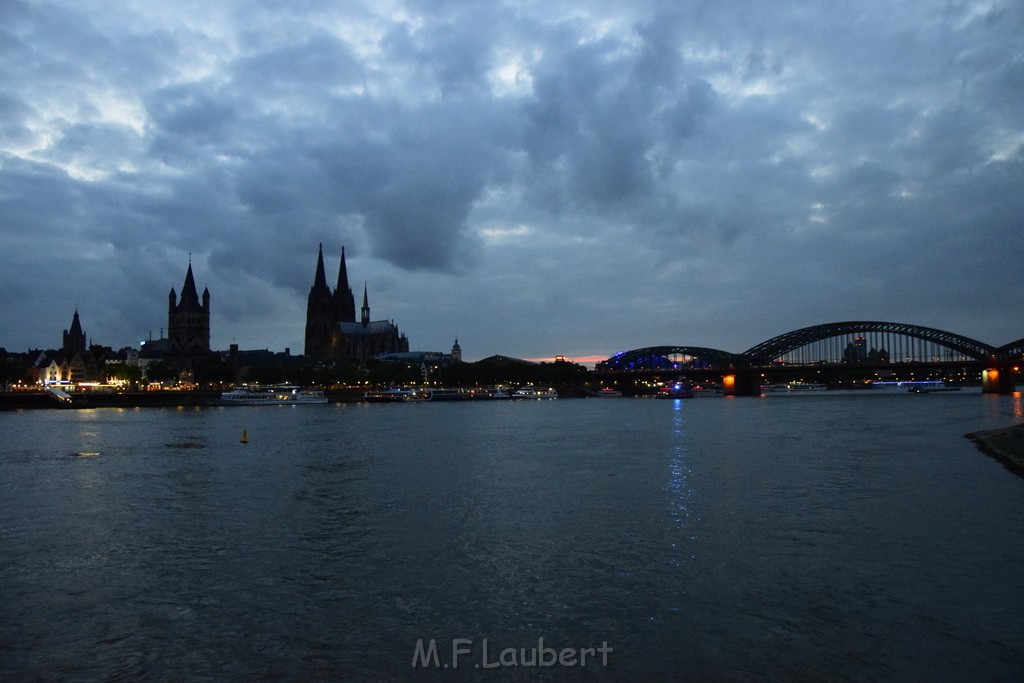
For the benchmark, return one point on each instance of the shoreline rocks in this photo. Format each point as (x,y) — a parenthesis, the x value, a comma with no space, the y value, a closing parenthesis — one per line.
(1005,445)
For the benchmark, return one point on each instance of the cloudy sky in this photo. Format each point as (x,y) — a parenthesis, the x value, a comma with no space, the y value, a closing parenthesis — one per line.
(536,177)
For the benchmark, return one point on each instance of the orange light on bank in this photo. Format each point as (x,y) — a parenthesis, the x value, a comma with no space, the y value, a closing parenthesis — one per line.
(729,381)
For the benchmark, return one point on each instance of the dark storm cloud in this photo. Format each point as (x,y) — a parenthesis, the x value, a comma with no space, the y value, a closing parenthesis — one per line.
(781,166)
(189,115)
(319,61)
(454,50)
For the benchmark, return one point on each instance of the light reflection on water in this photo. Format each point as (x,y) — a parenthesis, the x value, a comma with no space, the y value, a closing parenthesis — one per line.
(678,484)
(799,537)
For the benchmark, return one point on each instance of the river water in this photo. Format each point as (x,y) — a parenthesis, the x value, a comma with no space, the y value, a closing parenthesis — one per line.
(834,536)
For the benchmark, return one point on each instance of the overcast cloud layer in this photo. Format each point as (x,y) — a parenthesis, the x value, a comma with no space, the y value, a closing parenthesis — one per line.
(536,178)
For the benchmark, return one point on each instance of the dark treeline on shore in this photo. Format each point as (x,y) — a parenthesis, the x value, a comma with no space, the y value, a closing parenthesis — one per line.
(487,372)
(215,371)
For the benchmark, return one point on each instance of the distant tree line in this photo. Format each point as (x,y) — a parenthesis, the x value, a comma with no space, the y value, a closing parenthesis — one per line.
(489,372)
(216,370)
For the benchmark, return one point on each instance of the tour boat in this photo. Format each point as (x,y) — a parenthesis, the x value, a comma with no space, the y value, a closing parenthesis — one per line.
(466,394)
(285,394)
(396,396)
(929,387)
(796,387)
(608,392)
(434,394)
(532,392)
(678,390)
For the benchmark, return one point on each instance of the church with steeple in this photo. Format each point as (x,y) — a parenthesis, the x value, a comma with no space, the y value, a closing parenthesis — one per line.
(74,339)
(332,332)
(188,319)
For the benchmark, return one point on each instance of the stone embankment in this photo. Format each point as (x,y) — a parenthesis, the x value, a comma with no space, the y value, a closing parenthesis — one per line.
(1005,445)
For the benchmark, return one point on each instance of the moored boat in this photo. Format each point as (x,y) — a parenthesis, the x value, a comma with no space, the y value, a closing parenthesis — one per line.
(466,394)
(929,387)
(284,394)
(533,392)
(795,387)
(396,396)
(677,390)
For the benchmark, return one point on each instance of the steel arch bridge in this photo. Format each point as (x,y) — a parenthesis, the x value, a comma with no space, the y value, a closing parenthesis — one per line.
(1012,351)
(660,358)
(767,351)
(834,354)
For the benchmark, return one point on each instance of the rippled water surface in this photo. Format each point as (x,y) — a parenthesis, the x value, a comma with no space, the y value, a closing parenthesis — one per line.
(829,536)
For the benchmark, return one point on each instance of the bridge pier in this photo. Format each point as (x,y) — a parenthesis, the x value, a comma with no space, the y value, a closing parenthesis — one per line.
(997,380)
(741,383)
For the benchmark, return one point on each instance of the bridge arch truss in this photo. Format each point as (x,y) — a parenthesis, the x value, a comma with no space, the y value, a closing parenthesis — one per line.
(854,340)
(669,358)
(1013,350)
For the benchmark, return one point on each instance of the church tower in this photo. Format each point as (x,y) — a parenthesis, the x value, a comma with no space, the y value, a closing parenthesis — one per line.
(365,310)
(320,311)
(344,302)
(74,339)
(188,320)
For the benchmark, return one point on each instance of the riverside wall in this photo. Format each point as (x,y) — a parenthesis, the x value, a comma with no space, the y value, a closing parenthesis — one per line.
(1005,445)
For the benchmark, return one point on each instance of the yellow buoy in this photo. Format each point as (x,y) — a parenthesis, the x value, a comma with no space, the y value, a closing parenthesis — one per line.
(245,437)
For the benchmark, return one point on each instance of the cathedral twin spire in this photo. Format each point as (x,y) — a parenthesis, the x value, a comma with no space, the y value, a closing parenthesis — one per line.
(325,309)
(342,298)
(332,331)
(320,280)
(366,307)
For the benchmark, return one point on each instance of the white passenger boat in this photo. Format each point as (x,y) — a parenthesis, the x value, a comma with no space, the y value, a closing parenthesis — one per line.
(466,394)
(533,392)
(929,387)
(677,390)
(284,394)
(795,387)
(396,396)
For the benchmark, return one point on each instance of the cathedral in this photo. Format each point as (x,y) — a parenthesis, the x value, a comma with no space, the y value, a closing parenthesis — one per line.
(332,332)
(188,320)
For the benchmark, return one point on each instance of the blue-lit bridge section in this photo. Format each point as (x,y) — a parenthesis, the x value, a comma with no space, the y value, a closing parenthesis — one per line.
(847,353)
(670,358)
